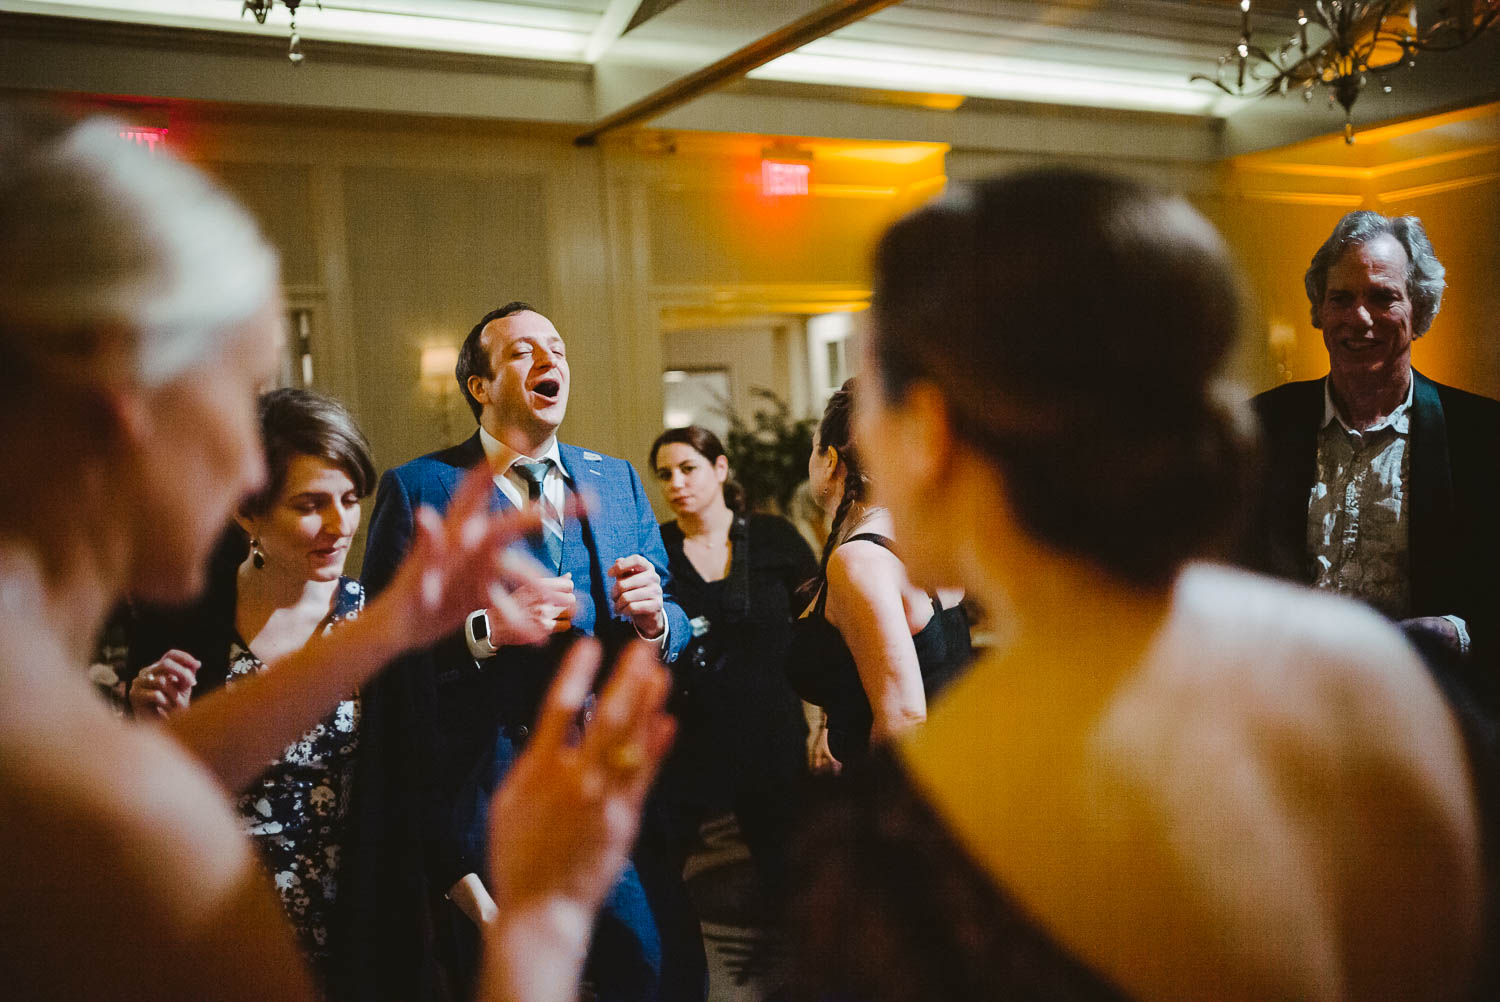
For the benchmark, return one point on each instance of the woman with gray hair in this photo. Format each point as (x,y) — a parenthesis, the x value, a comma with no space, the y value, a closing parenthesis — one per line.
(139,314)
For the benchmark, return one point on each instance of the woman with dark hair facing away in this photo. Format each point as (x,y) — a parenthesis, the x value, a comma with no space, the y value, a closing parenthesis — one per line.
(1177,780)
(872,649)
(741,735)
(289,587)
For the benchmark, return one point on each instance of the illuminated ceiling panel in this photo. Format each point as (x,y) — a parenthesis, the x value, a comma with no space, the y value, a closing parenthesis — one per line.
(1127,54)
(550,31)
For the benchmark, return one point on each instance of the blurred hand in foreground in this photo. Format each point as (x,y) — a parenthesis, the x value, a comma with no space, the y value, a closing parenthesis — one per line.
(461,562)
(565,820)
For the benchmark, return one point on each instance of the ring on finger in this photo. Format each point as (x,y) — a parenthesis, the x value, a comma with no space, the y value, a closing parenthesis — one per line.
(625,757)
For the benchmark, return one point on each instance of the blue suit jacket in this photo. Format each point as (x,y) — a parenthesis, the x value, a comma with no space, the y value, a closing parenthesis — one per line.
(620,524)
(432,721)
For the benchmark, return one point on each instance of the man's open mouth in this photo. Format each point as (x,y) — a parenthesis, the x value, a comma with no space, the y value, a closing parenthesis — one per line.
(548,388)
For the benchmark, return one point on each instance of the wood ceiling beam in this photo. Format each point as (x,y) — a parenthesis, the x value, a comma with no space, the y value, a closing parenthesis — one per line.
(703,49)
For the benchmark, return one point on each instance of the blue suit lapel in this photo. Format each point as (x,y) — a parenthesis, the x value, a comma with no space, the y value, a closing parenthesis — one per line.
(589,476)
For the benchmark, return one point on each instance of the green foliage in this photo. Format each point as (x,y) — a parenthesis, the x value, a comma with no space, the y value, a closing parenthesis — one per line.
(769,454)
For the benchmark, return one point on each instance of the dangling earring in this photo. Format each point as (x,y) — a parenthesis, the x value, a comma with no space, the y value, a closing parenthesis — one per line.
(257,555)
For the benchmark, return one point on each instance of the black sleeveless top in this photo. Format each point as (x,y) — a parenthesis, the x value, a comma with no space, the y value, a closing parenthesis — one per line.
(823,672)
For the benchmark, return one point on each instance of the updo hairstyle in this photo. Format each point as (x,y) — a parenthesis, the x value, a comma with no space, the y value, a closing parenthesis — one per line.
(1074,324)
(119,262)
(836,431)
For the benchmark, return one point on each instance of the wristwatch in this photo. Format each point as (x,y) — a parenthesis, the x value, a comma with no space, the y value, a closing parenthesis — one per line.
(477,634)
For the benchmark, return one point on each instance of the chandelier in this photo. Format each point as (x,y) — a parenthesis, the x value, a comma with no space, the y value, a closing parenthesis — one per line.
(1363,39)
(260,8)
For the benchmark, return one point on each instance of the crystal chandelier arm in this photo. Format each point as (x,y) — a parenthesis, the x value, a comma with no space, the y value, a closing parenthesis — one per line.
(1265,73)
(1358,34)
(1457,31)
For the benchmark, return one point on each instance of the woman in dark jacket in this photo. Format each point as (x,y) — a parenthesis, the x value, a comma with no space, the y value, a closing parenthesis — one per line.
(742,737)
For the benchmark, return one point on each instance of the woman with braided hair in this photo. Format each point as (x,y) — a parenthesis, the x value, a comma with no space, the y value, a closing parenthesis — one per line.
(871,648)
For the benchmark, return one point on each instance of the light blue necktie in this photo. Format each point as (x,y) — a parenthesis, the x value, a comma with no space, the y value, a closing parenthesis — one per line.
(535,473)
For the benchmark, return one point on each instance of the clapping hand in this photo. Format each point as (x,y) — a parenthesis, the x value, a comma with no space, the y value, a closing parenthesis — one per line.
(165,686)
(547,605)
(638,596)
(461,562)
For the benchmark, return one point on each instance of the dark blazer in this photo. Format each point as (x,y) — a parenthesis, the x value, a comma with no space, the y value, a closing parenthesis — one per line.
(437,719)
(1454,489)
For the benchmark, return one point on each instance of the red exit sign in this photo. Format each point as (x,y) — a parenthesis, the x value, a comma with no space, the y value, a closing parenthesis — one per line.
(777,177)
(149,138)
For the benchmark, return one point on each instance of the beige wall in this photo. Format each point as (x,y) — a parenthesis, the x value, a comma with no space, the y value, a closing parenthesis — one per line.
(400,238)
(1277,207)
(754,354)
(399,232)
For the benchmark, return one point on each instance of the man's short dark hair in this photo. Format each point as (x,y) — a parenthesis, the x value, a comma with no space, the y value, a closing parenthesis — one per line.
(473,360)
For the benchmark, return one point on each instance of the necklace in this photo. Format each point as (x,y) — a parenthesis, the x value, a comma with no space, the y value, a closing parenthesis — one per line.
(709,556)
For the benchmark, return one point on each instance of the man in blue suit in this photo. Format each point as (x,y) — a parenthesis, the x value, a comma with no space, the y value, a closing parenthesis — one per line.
(441,728)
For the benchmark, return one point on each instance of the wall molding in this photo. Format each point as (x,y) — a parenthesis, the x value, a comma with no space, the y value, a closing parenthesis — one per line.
(1437,188)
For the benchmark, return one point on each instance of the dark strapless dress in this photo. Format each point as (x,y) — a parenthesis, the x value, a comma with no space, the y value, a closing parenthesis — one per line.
(890,907)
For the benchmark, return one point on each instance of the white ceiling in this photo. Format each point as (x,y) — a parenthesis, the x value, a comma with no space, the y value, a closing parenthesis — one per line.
(1129,54)
(1134,55)
(904,71)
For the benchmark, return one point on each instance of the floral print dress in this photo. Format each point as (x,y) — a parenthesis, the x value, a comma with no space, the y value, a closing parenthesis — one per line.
(295,811)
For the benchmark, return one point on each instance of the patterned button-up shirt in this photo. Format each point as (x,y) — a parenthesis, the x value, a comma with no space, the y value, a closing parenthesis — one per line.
(1358,517)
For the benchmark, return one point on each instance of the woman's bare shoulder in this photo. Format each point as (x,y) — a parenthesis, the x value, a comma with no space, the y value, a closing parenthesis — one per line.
(864,565)
(120,849)
(1292,739)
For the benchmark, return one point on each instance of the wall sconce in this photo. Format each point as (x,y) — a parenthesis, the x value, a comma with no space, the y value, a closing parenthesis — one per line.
(1281,343)
(436,371)
(438,363)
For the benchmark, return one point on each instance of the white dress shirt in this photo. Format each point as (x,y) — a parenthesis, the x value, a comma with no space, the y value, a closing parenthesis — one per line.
(514,485)
(502,459)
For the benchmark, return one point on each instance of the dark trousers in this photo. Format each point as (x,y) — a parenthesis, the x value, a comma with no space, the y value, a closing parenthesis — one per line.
(668,834)
(625,958)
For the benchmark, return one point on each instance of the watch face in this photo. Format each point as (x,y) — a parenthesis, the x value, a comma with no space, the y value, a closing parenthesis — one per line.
(480,627)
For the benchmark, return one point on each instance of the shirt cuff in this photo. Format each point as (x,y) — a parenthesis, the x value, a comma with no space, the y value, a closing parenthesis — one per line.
(660,643)
(1463,633)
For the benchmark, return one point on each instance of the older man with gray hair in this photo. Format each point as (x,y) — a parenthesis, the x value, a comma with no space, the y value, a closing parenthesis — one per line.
(1381,483)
